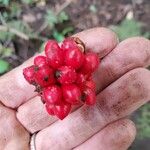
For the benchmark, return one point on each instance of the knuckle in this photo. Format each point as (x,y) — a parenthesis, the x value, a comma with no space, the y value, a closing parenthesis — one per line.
(129,129)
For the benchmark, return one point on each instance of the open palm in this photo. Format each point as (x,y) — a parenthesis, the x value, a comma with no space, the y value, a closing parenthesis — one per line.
(122,87)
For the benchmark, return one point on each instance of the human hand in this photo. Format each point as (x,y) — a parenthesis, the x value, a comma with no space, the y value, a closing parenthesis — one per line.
(13,136)
(122,87)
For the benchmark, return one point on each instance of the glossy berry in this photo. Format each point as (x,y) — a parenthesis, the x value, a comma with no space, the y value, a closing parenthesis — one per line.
(89,96)
(66,75)
(90,64)
(29,73)
(49,109)
(44,76)
(61,111)
(54,54)
(52,95)
(74,58)
(91,84)
(72,94)
(69,44)
(81,78)
(40,61)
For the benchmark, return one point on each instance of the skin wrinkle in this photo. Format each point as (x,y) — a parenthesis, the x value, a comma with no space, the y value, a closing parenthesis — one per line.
(131,77)
(79,129)
(11,131)
(127,98)
(35,117)
(121,135)
(126,137)
(119,62)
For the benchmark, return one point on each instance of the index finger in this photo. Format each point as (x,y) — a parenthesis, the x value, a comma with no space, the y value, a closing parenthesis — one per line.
(14,90)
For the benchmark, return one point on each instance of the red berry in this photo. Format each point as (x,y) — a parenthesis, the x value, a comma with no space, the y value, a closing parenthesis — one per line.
(40,61)
(81,78)
(90,64)
(74,58)
(89,96)
(54,54)
(61,111)
(68,44)
(29,73)
(90,84)
(53,95)
(66,75)
(72,94)
(49,109)
(44,76)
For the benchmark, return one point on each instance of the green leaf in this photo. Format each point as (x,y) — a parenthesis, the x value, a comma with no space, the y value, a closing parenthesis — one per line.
(58,36)
(29,2)
(4,66)
(42,47)
(5,35)
(7,52)
(62,17)
(143,122)
(20,26)
(15,9)
(51,18)
(147,35)
(67,30)
(4,2)
(93,8)
(128,28)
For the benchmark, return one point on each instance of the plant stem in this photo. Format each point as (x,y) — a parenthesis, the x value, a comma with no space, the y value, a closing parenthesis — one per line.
(14,31)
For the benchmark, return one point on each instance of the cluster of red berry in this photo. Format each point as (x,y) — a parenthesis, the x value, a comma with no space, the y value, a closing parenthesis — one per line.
(64,76)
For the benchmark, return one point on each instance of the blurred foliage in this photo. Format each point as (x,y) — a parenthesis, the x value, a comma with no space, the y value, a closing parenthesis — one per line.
(4,66)
(29,2)
(53,19)
(12,26)
(11,17)
(5,52)
(129,28)
(93,8)
(4,2)
(143,122)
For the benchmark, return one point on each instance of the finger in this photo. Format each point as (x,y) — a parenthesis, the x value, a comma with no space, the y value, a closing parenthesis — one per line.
(11,131)
(33,115)
(115,136)
(14,90)
(106,40)
(118,100)
(128,55)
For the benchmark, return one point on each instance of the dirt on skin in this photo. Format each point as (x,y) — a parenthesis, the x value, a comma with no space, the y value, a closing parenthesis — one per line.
(107,12)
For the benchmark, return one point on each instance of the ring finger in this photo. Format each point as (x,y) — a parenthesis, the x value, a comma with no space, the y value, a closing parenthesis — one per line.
(116,136)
